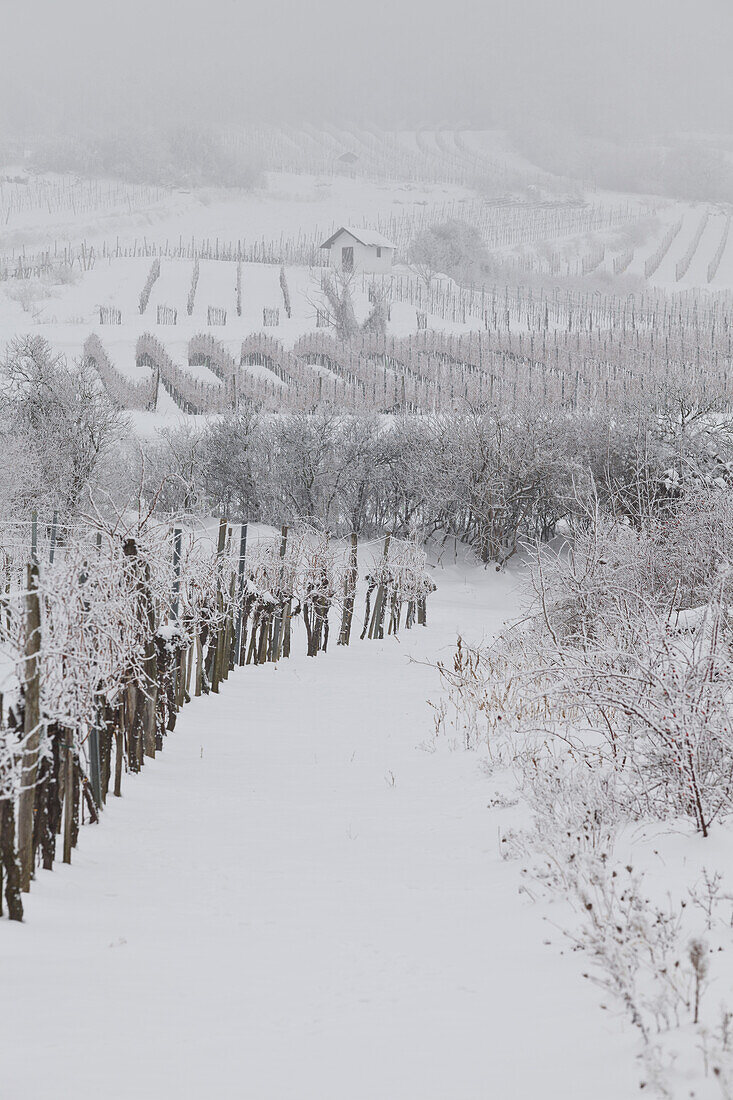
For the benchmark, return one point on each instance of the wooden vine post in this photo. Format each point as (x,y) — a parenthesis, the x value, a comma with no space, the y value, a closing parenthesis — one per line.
(177,536)
(68,795)
(282,618)
(95,770)
(240,592)
(217,644)
(179,673)
(32,729)
(142,699)
(376,627)
(95,767)
(9,861)
(349,592)
(199,674)
(148,697)
(119,750)
(229,631)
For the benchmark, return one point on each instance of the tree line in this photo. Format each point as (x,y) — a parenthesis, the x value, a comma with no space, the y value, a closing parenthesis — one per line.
(487,475)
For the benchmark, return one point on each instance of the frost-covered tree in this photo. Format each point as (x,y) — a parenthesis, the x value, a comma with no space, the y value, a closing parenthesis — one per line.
(452,248)
(231,455)
(338,303)
(57,415)
(172,468)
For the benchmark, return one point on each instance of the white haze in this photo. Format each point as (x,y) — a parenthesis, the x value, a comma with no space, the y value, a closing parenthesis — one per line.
(619,68)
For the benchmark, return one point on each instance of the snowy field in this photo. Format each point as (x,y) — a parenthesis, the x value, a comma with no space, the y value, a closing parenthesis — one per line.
(304,896)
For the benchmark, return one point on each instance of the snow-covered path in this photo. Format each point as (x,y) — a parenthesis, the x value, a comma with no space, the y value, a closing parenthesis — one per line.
(299,900)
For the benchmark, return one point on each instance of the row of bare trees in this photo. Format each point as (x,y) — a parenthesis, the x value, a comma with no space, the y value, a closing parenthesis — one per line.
(485,473)
(488,478)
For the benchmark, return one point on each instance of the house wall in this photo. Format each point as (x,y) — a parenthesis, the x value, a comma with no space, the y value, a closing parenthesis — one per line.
(365,256)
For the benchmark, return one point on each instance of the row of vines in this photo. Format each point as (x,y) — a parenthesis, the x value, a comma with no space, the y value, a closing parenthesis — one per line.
(106,634)
(608,350)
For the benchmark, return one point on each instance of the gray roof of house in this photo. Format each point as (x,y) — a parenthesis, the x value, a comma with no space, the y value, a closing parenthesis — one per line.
(369,237)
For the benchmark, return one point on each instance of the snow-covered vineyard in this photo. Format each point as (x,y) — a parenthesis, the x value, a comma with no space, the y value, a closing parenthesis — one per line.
(570,352)
(366,542)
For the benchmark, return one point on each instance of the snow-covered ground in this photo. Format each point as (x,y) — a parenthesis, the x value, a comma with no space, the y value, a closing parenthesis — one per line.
(304,897)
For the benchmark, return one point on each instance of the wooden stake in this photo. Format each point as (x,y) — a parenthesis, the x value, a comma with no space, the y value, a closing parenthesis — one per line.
(277,629)
(240,589)
(376,628)
(9,861)
(68,795)
(32,726)
(199,665)
(95,773)
(349,593)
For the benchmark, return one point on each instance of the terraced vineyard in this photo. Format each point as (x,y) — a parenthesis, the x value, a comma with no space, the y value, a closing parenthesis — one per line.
(571,351)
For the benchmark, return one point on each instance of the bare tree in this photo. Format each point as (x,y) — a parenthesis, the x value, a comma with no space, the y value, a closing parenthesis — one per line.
(62,417)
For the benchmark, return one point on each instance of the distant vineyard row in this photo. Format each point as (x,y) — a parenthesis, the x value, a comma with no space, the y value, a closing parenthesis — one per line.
(437,156)
(500,224)
(41,195)
(434,372)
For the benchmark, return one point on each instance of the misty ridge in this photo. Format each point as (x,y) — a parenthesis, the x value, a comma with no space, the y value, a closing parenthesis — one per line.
(698,168)
(622,96)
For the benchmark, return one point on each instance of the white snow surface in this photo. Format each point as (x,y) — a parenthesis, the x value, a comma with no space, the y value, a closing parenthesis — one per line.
(302,898)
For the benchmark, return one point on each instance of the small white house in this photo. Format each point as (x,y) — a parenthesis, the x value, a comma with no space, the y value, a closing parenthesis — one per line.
(363,250)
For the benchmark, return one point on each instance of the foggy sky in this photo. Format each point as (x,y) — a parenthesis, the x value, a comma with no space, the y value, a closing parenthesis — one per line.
(620,67)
